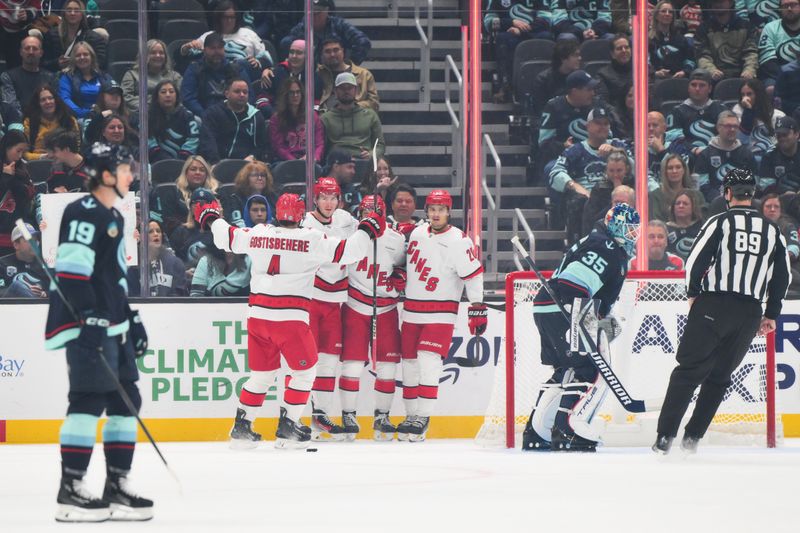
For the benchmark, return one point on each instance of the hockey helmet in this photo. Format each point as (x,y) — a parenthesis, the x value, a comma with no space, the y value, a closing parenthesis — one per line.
(368,203)
(624,226)
(327,185)
(289,208)
(439,197)
(106,157)
(740,181)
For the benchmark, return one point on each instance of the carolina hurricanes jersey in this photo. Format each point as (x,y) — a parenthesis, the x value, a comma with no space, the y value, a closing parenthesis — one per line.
(330,284)
(360,275)
(284,264)
(438,265)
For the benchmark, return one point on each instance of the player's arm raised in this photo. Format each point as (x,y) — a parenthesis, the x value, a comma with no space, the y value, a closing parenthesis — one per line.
(226,237)
(357,245)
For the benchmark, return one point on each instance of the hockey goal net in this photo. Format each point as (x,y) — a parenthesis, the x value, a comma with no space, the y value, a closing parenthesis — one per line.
(653,307)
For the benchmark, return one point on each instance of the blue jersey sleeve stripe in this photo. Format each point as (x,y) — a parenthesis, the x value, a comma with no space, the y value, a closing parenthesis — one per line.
(583,276)
(75,258)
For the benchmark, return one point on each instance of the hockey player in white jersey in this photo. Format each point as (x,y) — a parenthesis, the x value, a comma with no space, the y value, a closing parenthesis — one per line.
(357,320)
(440,263)
(285,259)
(325,313)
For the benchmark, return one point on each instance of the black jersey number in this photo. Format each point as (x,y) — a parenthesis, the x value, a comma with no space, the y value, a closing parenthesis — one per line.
(747,242)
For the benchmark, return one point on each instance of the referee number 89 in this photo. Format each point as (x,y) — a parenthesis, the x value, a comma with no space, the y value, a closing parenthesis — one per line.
(747,242)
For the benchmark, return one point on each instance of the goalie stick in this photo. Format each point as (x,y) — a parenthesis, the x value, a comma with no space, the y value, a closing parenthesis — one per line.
(630,404)
(37,252)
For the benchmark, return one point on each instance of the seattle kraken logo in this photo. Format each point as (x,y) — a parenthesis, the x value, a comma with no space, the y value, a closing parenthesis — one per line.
(787,51)
(577,129)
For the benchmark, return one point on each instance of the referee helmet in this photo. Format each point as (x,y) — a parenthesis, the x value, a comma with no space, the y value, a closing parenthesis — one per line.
(741,182)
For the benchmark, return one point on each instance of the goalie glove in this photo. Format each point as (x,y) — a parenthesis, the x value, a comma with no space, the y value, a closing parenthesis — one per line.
(206,213)
(478,317)
(611,326)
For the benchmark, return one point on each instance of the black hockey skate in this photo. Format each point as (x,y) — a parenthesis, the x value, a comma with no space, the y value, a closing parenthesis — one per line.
(532,441)
(383,427)
(350,425)
(570,442)
(404,428)
(662,444)
(123,503)
(689,444)
(418,429)
(75,504)
(291,435)
(242,435)
(323,428)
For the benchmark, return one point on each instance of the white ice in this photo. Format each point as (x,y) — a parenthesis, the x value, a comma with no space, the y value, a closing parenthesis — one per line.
(436,486)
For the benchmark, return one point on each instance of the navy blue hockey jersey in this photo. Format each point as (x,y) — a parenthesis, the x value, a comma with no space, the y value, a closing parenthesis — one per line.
(90,269)
(595,267)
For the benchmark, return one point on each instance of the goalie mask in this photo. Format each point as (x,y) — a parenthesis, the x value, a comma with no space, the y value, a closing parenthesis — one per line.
(622,222)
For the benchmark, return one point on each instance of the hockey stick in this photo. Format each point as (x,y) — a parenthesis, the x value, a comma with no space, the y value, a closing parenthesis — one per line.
(630,404)
(37,252)
(373,349)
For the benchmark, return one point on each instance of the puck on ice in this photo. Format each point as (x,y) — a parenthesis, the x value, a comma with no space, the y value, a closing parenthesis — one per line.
(311,449)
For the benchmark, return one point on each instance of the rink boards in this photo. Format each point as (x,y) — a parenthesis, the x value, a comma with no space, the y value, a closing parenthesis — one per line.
(197,363)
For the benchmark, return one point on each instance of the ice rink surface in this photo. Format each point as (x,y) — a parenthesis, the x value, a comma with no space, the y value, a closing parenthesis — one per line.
(436,486)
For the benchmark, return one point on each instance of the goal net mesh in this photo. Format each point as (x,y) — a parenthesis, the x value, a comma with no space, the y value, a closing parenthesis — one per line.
(653,314)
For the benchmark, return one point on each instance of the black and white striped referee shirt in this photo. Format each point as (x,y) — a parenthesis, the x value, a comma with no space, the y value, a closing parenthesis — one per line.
(740,251)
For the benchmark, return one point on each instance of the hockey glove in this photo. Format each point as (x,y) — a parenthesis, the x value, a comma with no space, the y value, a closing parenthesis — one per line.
(373,225)
(93,330)
(138,333)
(206,214)
(477,315)
(611,326)
(397,280)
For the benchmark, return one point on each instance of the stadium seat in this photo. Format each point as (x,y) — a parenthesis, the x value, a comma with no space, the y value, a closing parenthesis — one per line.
(118,9)
(179,62)
(524,76)
(182,29)
(179,9)
(117,69)
(123,50)
(165,171)
(533,50)
(271,50)
(670,92)
(596,50)
(287,172)
(592,67)
(225,171)
(727,91)
(121,29)
(39,169)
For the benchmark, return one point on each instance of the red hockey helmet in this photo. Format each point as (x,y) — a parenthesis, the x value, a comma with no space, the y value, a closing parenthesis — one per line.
(327,185)
(289,208)
(368,202)
(439,197)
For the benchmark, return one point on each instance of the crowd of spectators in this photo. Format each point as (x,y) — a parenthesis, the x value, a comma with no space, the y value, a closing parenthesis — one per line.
(227,103)
(724,80)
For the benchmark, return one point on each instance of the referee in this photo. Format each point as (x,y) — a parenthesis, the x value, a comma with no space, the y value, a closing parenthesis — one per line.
(738,260)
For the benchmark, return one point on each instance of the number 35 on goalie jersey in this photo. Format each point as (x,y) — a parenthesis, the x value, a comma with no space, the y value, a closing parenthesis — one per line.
(437,265)
(595,267)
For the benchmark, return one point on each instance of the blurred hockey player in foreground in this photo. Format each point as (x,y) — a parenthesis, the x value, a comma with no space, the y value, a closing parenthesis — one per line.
(356,322)
(440,263)
(285,259)
(595,267)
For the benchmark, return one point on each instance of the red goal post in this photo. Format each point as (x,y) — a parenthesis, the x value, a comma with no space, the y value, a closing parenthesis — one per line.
(658,284)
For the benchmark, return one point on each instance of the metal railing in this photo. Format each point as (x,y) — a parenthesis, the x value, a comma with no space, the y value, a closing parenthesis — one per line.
(494,201)
(519,220)
(458,164)
(426,37)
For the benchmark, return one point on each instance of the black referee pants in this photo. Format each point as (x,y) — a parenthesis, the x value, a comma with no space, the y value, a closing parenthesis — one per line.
(718,334)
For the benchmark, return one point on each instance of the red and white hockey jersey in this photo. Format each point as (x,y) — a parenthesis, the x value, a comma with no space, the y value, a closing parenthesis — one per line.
(439,265)
(330,284)
(285,262)
(360,275)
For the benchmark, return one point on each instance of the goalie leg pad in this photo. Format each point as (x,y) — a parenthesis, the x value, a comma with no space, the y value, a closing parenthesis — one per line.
(537,431)
(576,427)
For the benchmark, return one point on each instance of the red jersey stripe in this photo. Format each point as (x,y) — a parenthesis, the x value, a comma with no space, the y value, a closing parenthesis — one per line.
(279,302)
(327,286)
(359,296)
(430,306)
